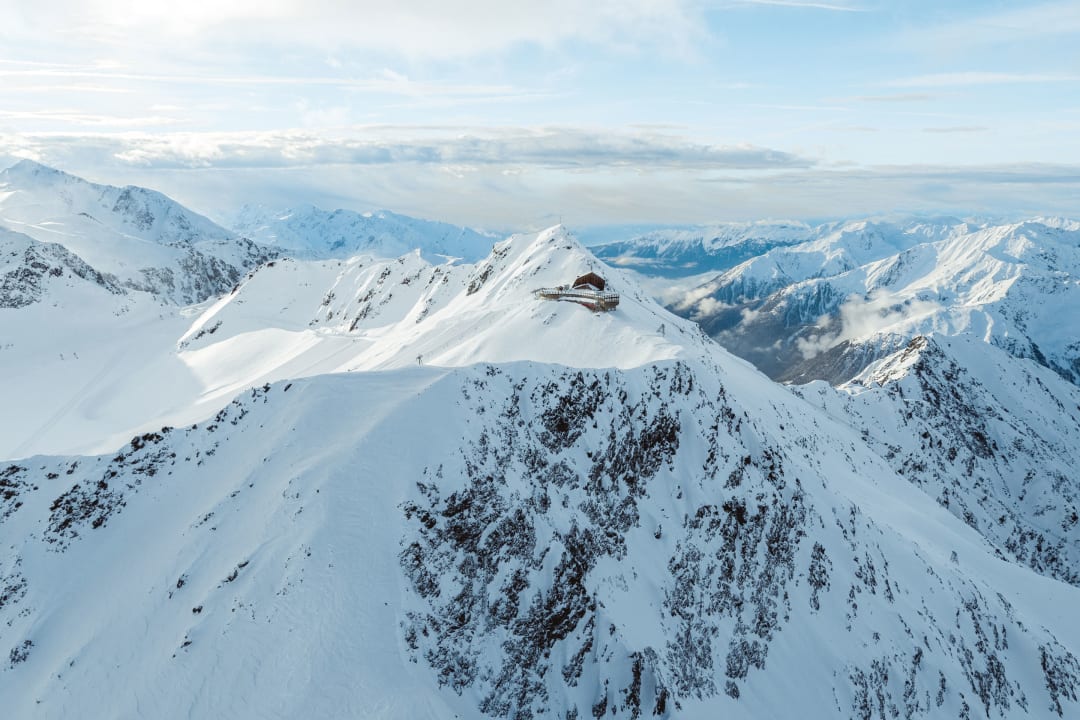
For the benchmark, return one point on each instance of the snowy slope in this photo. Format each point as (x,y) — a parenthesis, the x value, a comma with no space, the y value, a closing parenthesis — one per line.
(390,311)
(683,539)
(142,238)
(993,438)
(310,233)
(391,488)
(151,365)
(80,354)
(296,318)
(827,308)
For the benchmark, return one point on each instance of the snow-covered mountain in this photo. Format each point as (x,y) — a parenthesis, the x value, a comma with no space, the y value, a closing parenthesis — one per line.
(683,252)
(120,366)
(93,292)
(675,537)
(829,307)
(993,438)
(29,267)
(387,487)
(386,312)
(139,238)
(310,233)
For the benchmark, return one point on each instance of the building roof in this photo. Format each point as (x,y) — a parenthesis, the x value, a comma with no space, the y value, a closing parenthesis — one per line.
(590,278)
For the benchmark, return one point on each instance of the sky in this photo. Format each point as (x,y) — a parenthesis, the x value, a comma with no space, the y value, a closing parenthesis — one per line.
(520,114)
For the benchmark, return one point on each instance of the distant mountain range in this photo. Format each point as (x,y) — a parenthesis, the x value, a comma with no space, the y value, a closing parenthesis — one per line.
(139,239)
(310,233)
(142,240)
(828,307)
(681,252)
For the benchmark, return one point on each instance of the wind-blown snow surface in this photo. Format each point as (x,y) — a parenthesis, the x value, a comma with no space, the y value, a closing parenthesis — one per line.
(311,233)
(560,514)
(138,238)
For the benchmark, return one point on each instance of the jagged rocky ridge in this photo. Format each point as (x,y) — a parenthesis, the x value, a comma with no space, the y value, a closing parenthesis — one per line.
(674,540)
(995,440)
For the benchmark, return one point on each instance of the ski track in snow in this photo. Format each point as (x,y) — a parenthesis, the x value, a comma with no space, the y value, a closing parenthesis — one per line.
(76,398)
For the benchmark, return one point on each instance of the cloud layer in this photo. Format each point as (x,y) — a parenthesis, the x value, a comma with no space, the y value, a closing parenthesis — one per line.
(515,183)
(863,317)
(607,111)
(567,148)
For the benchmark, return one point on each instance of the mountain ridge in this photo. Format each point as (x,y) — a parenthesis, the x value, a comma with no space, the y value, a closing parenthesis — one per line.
(307,232)
(293,318)
(143,239)
(991,437)
(851,292)
(235,578)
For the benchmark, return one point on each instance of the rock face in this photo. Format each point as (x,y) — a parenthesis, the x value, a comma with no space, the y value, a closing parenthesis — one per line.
(677,540)
(27,268)
(201,273)
(137,238)
(992,438)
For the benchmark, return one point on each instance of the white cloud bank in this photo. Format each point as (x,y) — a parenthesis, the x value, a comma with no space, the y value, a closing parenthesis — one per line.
(531,177)
(863,317)
(375,145)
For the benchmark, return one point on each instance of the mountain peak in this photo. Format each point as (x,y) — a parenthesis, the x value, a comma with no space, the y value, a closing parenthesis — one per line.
(369,313)
(26,165)
(30,170)
(896,365)
(143,239)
